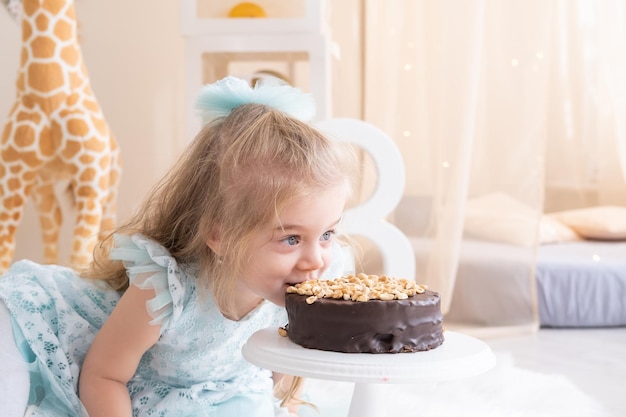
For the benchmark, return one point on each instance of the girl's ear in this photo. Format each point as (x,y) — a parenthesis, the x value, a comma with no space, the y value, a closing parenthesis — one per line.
(213,242)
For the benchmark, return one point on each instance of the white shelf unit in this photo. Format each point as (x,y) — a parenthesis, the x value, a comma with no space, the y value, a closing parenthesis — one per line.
(214,44)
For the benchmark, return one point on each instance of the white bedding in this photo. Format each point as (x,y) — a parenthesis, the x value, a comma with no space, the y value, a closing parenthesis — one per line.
(578,284)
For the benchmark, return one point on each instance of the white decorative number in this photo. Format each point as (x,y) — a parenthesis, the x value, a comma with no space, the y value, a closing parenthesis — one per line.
(369,218)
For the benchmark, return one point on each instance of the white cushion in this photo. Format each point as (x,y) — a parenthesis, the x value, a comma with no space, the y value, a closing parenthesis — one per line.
(600,222)
(498,217)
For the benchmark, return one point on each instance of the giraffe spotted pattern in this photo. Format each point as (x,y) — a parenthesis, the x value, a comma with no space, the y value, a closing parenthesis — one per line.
(56,134)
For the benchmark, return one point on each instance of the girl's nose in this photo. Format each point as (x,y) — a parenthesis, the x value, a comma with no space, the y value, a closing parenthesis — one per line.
(312,258)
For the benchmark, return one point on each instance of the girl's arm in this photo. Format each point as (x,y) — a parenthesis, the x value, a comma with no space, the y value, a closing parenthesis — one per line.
(113,357)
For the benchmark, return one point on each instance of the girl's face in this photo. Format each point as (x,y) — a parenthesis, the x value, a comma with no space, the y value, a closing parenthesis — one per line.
(296,248)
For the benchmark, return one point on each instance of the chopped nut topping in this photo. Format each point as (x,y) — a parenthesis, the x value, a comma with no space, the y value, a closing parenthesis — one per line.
(361,287)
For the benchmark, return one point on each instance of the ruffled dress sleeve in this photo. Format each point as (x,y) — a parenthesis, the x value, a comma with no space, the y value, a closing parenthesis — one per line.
(150,266)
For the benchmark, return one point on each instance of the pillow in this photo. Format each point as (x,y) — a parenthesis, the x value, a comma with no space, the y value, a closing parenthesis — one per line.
(499,217)
(600,222)
(552,230)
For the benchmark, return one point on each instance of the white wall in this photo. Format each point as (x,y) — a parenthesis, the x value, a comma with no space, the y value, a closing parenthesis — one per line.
(133,52)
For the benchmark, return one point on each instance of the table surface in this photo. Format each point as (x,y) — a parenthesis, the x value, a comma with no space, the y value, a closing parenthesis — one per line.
(458,357)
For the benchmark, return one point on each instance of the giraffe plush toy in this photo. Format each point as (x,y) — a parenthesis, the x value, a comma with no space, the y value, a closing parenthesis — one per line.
(56,134)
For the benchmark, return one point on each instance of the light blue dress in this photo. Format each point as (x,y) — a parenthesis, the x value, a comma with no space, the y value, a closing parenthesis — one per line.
(195,369)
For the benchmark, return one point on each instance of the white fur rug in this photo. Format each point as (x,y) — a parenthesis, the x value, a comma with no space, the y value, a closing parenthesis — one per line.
(504,391)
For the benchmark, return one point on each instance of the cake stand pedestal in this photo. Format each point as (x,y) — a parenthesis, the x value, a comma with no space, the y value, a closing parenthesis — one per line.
(459,356)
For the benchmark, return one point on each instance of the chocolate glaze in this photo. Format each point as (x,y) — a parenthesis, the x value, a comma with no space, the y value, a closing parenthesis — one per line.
(373,326)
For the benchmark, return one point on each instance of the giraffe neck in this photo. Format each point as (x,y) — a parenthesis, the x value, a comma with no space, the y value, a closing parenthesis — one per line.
(51,63)
(51,19)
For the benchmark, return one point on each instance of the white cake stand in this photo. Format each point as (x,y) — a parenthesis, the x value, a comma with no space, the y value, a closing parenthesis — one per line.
(459,356)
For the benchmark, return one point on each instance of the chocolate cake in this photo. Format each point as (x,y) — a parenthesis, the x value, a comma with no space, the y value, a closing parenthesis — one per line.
(364,314)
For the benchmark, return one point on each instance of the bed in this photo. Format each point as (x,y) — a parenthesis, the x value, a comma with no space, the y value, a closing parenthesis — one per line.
(579,274)
(578,284)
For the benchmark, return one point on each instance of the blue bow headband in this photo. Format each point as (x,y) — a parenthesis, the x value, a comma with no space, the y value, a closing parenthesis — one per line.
(220,98)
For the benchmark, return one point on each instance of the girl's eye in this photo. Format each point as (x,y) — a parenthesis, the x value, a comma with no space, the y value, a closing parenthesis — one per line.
(327,235)
(291,240)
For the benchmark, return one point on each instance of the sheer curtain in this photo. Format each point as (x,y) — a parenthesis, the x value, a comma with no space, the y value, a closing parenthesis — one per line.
(503,110)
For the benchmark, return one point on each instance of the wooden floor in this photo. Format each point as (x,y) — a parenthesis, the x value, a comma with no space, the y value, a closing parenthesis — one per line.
(593,359)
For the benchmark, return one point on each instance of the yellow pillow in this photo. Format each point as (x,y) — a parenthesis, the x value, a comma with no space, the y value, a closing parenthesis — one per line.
(600,222)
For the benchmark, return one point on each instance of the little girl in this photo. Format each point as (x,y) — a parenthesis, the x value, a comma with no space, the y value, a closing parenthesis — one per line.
(156,326)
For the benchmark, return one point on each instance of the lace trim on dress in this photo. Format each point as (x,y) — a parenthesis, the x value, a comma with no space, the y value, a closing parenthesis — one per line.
(150,266)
